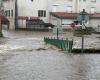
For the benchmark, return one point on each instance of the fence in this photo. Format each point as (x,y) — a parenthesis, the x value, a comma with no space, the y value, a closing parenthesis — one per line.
(63,44)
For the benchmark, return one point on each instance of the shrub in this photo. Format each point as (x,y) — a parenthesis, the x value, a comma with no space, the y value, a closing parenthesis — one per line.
(79,31)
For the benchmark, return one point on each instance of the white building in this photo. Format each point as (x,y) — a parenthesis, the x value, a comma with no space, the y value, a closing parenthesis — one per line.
(50,11)
(9,8)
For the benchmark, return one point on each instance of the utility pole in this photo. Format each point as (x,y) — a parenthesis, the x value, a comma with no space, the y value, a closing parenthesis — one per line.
(1,6)
(16,15)
(84,18)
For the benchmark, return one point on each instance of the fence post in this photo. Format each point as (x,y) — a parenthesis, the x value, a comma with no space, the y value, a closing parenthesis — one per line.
(67,44)
(70,45)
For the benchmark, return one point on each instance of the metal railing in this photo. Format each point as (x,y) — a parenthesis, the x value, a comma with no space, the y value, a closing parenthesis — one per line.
(63,44)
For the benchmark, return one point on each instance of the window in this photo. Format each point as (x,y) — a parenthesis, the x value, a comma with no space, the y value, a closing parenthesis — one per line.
(93,0)
(92,10)
(55,7)
(31,0)
(7,13)
(11,12)
(42,13)
(69,9)
(84,0)
(69,0)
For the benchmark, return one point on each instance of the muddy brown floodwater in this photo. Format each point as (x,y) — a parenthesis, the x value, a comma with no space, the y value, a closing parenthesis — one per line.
(21,59)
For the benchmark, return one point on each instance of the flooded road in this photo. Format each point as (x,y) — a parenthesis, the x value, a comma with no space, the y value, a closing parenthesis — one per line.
(23,57)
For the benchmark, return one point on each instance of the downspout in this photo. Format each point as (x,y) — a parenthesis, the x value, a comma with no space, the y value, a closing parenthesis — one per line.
(16,15)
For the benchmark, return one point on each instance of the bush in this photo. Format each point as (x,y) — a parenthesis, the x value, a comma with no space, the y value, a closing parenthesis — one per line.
(78,31)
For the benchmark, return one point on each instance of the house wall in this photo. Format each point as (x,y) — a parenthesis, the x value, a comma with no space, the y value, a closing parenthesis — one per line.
(61,5)
(88,4)
(21,23)
(64,23)
(30,9)
(9,6)
(77,5)
(94,22)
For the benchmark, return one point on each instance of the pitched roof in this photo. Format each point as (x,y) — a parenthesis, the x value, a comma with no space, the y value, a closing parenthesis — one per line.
(65,15)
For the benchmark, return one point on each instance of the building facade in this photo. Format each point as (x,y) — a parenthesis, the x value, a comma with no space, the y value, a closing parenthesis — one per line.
(9,9)
(50,11)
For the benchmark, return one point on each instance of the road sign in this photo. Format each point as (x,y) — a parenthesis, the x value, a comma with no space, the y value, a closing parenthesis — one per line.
(83,16)
(72,25)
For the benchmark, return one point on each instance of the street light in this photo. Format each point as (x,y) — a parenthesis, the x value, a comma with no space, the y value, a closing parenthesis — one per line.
(83,18)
